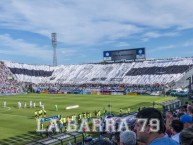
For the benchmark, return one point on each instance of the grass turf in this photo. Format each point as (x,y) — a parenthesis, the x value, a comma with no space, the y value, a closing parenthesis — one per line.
(18,125)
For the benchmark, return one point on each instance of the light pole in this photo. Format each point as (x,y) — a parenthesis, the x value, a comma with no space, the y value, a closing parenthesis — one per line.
(54,44)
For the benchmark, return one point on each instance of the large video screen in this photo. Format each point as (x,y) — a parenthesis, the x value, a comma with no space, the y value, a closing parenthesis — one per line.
(127,54)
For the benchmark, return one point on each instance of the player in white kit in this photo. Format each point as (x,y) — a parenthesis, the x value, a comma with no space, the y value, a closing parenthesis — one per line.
(4,104)
(19,104)
(30,104)
(40,104)
(25,105)
(42,107)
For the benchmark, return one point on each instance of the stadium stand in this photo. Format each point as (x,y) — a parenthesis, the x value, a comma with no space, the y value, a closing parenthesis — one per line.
(8,85)
(145,76)
(30,73)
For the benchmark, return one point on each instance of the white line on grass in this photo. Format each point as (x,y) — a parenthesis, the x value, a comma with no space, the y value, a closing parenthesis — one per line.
(8,108)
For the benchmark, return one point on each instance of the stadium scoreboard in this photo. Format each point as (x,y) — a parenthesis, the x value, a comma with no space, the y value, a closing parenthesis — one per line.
(127,54)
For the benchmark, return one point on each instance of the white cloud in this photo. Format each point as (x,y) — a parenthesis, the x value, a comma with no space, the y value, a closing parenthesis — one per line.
(88,22)
(67,51)
(150,35)
(81,23)
(19,47)
(122,44)
(180,45)
(163,48)
(188,43)
(9,52)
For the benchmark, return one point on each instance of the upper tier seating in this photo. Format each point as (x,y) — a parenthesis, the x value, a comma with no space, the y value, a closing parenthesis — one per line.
(162,71)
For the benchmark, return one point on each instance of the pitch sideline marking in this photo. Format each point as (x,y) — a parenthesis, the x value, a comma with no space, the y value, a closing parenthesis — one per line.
(8,109)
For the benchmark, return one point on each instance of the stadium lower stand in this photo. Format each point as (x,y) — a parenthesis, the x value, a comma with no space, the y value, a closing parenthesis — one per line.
(8,84)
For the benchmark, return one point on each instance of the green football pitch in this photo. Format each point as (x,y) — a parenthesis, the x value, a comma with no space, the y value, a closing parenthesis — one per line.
(18,125)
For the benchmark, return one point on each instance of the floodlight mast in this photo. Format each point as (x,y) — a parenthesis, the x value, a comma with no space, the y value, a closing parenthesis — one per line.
(54,44)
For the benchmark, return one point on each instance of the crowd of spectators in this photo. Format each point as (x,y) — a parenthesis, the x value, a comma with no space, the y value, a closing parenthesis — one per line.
(174,128)
(74,88)
(7,83)
(144,72)
(171,128)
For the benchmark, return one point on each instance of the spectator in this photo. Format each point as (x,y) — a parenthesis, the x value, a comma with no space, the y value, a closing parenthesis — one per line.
(47,131)
(180,114)
(53,127)
(116,138)
(176,128)
(148,134)
(127,138)
(189,110)
(187,121)
(186,136)
(103,142)
(169,118)
(183,110)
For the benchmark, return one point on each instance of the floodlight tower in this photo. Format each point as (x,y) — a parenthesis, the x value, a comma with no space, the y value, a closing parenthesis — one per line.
(54,44)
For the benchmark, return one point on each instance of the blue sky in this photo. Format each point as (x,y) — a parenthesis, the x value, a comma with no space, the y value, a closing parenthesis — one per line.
(86,28)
